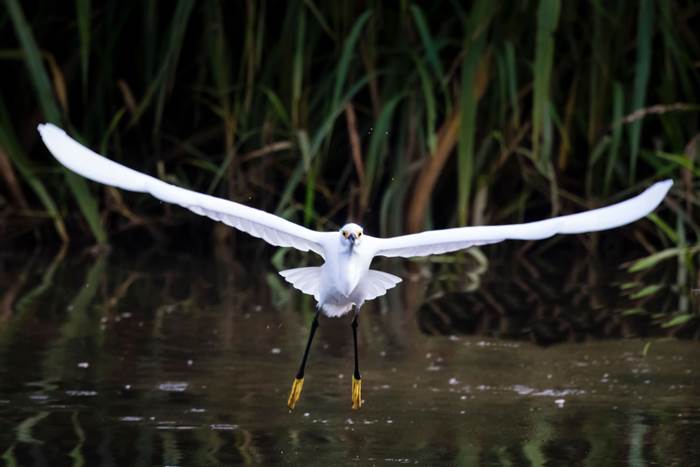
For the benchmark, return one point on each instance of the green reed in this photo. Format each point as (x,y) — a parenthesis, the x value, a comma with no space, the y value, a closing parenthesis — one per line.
(401,115)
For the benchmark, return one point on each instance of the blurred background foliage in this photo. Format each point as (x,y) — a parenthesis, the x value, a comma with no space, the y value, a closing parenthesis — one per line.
(400,115)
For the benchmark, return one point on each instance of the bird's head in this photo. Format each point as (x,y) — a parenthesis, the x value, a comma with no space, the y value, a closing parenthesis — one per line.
(351,235)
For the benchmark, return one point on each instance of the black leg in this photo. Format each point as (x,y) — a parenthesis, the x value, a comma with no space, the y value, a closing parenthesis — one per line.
(299,380)
(356,374)
(356,378)
(314,325)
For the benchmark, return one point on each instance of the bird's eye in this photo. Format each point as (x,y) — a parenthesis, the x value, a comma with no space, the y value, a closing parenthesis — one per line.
(359,234)
(345,234)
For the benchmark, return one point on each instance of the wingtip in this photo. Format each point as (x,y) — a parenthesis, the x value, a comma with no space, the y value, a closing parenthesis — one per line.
(657,192)
(664,185)
(45,129)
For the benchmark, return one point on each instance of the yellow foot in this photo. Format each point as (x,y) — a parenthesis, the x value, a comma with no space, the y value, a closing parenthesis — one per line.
(356,393)
(295,392)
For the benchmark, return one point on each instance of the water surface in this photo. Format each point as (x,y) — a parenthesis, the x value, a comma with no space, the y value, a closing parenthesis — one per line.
(117,360)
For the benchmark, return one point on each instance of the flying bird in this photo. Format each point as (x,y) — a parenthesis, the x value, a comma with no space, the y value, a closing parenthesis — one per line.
(345,281)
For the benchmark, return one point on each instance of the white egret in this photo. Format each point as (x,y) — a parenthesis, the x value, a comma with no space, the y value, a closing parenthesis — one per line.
(345,279)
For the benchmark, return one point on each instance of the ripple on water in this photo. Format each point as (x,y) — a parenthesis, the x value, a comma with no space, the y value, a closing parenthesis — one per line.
(173,386)
(130,419)
(177,427)
(81,393)
(223,427)
(523,390)
(559,392)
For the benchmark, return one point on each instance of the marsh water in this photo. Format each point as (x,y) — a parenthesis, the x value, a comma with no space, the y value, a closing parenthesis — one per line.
(115,360)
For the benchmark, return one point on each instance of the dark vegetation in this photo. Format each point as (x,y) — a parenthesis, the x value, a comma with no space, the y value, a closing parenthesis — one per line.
(401,115)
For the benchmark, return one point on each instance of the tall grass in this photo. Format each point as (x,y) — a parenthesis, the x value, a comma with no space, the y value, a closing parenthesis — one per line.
(45,98)
(401,115)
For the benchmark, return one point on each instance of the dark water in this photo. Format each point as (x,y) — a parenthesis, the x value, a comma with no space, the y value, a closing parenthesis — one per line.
(113,361)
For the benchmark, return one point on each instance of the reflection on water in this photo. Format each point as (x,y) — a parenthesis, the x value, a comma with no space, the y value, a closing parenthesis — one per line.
(171,361)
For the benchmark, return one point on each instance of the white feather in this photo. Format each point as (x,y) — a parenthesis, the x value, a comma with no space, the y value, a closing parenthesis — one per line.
(375,284)
(372,285)
(306,280)
(335,311)
(443,241)
(271,228)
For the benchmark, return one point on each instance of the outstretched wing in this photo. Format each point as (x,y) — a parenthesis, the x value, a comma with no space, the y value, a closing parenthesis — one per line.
(261,224)
(442,241)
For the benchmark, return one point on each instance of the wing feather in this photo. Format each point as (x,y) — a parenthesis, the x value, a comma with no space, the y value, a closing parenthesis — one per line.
(376,283)
(260,224)
(305,279)
(443,241)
